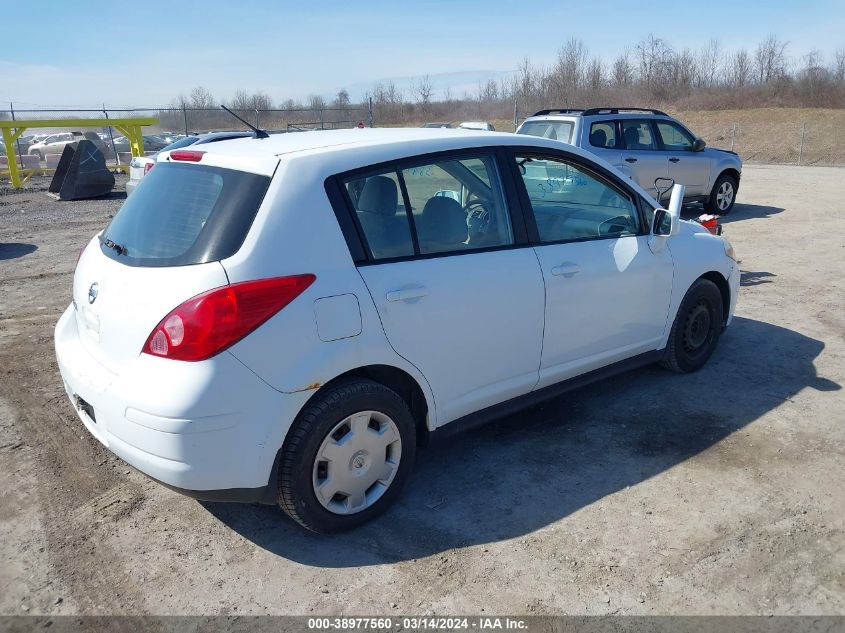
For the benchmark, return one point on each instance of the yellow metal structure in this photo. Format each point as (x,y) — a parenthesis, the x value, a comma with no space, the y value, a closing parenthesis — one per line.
(12,130)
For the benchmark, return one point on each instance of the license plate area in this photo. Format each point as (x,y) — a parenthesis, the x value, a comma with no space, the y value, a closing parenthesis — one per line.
(83,407)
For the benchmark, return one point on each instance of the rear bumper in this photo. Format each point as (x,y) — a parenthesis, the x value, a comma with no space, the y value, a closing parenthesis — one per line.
(210,429)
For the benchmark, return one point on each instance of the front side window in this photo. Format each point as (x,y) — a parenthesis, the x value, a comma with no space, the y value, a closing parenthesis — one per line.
(603,134)
(637,135)
(443,206)
(571,203)
(674,137)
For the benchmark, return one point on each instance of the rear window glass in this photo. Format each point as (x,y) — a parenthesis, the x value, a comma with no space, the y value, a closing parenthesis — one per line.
(557,130)
(184,214)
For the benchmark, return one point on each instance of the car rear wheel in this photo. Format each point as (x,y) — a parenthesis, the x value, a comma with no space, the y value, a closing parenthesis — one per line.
(723,195)
(346,457)
(696,329)
(39,154)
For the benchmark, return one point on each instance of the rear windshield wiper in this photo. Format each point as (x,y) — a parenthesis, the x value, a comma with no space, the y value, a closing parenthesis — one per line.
(120,249)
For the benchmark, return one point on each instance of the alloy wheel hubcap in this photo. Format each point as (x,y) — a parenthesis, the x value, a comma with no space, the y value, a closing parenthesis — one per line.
(724,196)
(357,462)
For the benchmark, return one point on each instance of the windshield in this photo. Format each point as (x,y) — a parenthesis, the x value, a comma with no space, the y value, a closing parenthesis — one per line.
(557,130)
(184,214)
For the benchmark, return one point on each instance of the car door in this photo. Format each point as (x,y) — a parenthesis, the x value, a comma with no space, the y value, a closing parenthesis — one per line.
(458,289)
(607,294)
(642,155)
(686,167)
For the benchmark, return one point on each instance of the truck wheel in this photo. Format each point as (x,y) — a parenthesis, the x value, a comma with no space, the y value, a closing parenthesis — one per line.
(346,457)
(723,195)
(696,329)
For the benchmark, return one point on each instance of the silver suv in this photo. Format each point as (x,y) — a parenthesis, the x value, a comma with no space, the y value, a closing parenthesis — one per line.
(646,145)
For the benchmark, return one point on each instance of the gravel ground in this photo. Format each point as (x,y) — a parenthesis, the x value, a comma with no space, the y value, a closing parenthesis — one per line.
(651,493)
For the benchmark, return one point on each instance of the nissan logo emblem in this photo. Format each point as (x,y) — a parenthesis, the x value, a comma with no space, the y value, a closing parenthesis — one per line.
(92,292)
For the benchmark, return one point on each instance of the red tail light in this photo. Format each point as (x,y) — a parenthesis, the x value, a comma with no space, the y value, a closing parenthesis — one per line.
(148,167)
(189,155)
(209,323)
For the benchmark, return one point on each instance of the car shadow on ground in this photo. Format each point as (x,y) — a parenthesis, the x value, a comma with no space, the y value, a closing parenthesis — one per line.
(532,469)
(739,212)
(14,250)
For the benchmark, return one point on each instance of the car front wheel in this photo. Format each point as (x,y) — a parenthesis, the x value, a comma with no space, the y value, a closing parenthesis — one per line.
(696,329)
(346,457)
(723,195)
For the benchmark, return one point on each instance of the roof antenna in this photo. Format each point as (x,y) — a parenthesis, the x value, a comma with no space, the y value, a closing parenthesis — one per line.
(258,132)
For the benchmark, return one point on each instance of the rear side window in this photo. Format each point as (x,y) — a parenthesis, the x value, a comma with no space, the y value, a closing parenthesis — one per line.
(637,135)
(381,214)
(603,134)
(185,214)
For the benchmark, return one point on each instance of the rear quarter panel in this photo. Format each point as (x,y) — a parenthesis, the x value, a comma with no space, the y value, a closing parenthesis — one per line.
(296,232)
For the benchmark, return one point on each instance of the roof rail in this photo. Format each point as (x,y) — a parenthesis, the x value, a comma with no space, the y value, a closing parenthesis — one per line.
(617,110)
(559,111)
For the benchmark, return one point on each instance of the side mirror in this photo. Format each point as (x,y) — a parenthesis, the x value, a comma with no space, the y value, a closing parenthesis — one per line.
(662,223)
(698,145)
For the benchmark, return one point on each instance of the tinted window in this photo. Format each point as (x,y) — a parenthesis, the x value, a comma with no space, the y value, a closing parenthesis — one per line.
(558,130)
(637,135)
(603,134)
(674,137)
(570,203)
(457,205)
(185,214)
(454,204)
(381,214)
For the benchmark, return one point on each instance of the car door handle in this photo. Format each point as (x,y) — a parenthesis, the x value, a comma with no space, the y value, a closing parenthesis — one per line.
(566,270)
(630,159)
(674,159)
(406,294)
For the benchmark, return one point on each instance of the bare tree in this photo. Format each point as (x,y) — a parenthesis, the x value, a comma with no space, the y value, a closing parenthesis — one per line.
(423,90)
(569,70)
(738,70)
(839,65)
(595,75)
(341,100)
(655,58)
(201,98)
(707,64)
(316,102)
(770,59)
(622,71)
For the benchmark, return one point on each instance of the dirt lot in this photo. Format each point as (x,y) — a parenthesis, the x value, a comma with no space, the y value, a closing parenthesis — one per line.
(719,492)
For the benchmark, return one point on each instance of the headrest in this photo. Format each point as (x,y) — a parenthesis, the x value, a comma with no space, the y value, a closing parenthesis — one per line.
(443,221)
(379,195)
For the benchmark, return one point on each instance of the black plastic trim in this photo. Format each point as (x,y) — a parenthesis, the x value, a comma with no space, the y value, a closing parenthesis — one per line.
(620,109)
(509,407)
(347,225)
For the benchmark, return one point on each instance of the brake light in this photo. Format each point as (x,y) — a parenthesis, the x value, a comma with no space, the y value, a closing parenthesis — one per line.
(207,324)
(189,155)
(148,167)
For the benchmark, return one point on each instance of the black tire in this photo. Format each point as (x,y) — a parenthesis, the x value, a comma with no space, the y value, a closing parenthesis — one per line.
(696,329)
(39,154)
(296,494)
(712,204)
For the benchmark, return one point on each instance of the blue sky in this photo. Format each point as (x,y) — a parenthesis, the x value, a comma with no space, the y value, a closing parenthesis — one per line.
(87,52)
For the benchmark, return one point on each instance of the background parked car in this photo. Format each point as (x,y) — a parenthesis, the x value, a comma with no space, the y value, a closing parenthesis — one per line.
(55,143)
(152,143)
(478,125)
(140,165)
(646,145)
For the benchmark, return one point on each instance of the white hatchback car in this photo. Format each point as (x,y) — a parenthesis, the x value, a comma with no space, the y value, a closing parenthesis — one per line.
(283,320)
